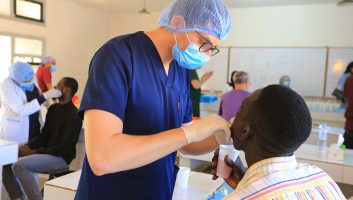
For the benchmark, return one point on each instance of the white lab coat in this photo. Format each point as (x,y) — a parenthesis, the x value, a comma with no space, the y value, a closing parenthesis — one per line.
(15,111)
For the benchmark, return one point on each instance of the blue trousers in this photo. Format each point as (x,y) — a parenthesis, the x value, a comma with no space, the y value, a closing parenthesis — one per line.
(27,167)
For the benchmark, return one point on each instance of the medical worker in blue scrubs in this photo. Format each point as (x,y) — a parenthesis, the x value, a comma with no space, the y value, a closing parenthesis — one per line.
(137,99)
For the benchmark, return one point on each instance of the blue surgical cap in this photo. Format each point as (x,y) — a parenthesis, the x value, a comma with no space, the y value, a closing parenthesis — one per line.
(21,72)
(47,59)
(207,16)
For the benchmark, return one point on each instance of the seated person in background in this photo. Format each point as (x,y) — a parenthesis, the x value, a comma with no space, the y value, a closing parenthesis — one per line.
(54,149)
(231,101)
(285,81)
(270,126)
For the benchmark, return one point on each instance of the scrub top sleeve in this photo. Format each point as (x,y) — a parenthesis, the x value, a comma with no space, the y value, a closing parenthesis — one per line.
(108,81)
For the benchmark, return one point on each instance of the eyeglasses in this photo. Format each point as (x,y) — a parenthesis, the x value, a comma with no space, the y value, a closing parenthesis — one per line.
(207,46)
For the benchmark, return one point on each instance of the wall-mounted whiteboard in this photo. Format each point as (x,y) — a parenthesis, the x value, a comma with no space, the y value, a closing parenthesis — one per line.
(305,66)
(338,59)
(219,65)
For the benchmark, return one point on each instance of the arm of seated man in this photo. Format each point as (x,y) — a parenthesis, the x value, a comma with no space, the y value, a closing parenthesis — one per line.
(25,150)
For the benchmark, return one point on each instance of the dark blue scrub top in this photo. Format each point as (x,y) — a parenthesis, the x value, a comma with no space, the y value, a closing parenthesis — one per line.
(127,78)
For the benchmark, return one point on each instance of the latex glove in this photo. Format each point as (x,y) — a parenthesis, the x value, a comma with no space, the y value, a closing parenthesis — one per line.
(223,139)
(206,127)
(52,93)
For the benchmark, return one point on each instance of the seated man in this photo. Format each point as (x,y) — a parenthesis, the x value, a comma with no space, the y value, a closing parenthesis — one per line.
(54,149)
(231,101)
(270,126)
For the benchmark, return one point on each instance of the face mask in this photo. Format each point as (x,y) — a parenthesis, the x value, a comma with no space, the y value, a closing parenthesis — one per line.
(191,57)
(286,84)
(53,68)
(27,86)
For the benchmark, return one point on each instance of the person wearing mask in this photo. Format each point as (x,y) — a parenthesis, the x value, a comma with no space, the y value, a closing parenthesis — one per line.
(338,93)
(43,74)
(137,98)
(285,81)
(54,149)
(19,112)
(348,94)
(231,101)
(269,129)
(195,89)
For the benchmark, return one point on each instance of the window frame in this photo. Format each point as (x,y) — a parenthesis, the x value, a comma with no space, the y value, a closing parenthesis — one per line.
(13,54)
(25,20)
(28,18)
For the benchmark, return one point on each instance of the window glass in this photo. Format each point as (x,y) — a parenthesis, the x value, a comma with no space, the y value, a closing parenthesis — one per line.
(5,7)
(29,9)
(28,46)
(5,55)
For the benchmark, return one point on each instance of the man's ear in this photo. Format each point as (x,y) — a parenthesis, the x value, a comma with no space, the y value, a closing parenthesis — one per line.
(245,133)
(177,22)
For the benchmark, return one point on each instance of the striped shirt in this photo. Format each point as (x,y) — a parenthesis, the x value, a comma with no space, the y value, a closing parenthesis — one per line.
(284,178)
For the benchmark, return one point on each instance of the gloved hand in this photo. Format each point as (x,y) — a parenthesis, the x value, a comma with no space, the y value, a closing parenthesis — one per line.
(223,139)
(206,127)
(52,93)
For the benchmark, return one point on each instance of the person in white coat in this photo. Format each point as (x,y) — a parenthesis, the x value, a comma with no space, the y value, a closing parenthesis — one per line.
(20,104)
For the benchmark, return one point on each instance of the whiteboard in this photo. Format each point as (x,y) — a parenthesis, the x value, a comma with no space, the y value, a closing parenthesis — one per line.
(338,59)
(305,66)
(219,65)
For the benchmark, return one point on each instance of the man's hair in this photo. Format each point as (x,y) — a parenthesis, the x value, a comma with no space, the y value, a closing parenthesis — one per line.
(71,83)
(240,77)
(280,119)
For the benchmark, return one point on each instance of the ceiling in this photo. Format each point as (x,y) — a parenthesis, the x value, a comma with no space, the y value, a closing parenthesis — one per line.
(158,5)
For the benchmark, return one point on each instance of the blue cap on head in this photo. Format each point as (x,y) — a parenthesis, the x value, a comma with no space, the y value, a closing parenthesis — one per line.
(21,72)
(207,16)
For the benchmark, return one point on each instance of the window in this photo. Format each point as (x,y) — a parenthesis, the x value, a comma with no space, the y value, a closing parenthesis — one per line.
(29,10)
(5,55)
(5,7)
(32,10)
(19,48)
(28,46)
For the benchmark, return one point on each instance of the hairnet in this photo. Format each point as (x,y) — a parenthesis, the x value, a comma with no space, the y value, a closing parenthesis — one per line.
(47,59)
(207,16)
(21,72)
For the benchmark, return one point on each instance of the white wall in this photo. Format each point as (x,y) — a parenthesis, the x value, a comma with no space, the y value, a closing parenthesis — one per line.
(302,25)
(73,33)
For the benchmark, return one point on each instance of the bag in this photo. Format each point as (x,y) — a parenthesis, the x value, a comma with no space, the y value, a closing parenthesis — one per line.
(338,94)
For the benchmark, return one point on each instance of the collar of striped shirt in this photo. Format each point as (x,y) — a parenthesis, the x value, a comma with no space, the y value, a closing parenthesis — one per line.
(268,166)
(283,178)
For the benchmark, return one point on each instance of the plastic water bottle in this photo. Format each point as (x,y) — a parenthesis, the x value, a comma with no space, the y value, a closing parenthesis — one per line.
(322,138)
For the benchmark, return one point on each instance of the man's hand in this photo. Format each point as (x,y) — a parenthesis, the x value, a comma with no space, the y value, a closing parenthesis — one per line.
(24,150)
(237,173)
